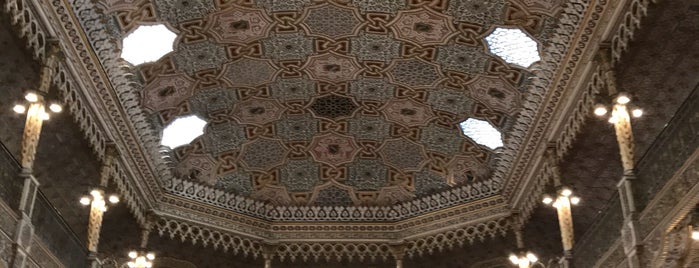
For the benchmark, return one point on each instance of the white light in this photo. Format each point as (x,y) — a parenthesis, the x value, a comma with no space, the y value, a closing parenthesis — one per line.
(19,108)
(150,256)
(575,200)
(95,193)
(31,97)
(113,199)
(514,259)
(85,200)
(482,133)
(43,115)
(133,254)
(566,192)
(182,131)
(513,46)
(531,257)
(637,112)
(147,44)
(695,235)
(600,110)
(55,107)
(547,200)
(613,119)
(623,99)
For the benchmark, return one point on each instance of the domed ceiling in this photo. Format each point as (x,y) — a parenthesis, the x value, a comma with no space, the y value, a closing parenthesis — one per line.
(337,103)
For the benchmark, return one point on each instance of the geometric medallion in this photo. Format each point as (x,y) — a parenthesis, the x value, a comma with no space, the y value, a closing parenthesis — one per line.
(495,93)
(423,27)
(257,111)
(414,73)
(333,149)
(263,154)
(403,154)
(238,25)
(248,72)
(167,91)
(333,106)
(407,112)
(330,21)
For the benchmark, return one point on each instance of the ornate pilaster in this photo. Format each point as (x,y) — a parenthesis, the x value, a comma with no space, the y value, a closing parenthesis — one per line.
(32,132)
(34,121)
(30,141)
(622,126)
(94,226)
(99,205)
(563,204)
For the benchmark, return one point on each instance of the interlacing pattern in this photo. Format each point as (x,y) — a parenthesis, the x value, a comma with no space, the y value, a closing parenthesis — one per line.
(335,63)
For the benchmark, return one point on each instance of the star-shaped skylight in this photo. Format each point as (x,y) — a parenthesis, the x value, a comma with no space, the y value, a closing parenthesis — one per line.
(147,43)
(182,131)
(513,46)
(482,132)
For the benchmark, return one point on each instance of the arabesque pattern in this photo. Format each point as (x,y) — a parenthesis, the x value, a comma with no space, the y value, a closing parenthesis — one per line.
(374,17)
(380,83)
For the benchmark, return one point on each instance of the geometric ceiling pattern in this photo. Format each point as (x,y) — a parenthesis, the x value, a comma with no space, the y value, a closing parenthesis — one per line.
(323,107)
(354,103)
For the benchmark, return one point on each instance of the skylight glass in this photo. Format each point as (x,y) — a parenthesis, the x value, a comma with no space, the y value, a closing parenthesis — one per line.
(513,46)
(182,131)
(147,44)
(482,132)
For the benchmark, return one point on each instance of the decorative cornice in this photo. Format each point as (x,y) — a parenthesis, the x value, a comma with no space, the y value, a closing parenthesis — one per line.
(138,173)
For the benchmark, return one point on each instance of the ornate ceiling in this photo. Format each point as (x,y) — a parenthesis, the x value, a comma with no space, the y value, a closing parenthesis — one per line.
(334,103)
(325,129)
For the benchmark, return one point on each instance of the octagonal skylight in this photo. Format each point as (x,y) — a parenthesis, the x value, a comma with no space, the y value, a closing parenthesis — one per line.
(482,132)
(182,131)
(513,46)
(147,43)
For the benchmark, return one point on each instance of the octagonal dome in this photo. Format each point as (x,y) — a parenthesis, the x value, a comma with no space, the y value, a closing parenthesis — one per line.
(326,113)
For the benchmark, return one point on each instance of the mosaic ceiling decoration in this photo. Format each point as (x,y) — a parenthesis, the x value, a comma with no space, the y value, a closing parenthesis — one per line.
(335,103)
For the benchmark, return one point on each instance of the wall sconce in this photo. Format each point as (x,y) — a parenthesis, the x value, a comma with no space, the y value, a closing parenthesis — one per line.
(34,104)
(140,259)
(621,100)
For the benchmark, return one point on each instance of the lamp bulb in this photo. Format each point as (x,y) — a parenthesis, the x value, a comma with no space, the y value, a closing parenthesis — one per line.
(514,259)
(113,199)
(695,235)
(566,192)
(637,112)
(547,200)
(150,256)
(84,200)
(43,115)
(623,99)
(55,107)
(133,254)
(31,97)
(19,108)
(600,110)
(575,200)
(95,193)
(532,258)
